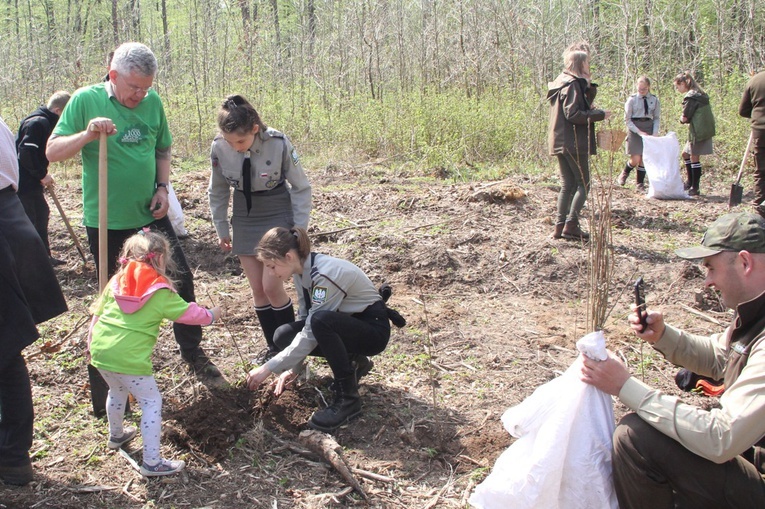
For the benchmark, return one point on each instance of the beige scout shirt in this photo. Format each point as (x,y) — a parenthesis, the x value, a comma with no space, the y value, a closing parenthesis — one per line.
(273,160)
(719,434)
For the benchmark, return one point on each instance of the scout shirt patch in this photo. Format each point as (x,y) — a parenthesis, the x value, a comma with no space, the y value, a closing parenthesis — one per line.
(319,295)
(295,158)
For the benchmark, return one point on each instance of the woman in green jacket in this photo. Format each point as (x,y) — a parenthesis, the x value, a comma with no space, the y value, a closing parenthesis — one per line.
(697,113)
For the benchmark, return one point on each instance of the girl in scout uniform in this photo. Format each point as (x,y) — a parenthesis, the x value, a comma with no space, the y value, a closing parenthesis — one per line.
(641,114)
(697,113)
(271,189)
(346,321)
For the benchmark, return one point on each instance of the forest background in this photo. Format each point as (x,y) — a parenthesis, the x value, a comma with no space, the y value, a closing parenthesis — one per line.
(455,85)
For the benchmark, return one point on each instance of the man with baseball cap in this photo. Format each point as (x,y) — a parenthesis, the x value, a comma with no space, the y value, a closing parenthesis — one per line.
(668,454)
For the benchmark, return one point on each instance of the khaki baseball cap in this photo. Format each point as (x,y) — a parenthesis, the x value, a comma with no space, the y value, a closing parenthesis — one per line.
(732,232)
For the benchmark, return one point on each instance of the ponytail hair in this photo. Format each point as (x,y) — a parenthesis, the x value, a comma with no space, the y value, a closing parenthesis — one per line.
(148,247)
(236,114)
(279,241)
(687,78)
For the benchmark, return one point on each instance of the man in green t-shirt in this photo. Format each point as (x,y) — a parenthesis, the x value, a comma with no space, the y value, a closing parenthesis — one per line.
(131,113)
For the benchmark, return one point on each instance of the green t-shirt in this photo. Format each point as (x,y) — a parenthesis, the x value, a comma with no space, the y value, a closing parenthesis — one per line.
(123,342)
(132,165)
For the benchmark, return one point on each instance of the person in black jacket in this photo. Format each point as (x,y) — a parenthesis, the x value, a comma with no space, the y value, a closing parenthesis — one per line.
(29,294)
(31,140)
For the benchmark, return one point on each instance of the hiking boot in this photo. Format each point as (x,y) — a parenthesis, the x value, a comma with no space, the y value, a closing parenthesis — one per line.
(693,192)
(264,356)
(201,364)
(164,467)
(346,406)
(572,231)
(686,186)
(623,177)
(558,233)
(641,188)
(56,262)
(362,365)
(17,476)
(128,434)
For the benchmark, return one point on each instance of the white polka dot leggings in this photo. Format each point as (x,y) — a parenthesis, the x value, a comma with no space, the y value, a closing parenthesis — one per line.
(145,391)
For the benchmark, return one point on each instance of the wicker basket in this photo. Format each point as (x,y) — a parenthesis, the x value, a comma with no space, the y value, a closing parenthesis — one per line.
(611,139)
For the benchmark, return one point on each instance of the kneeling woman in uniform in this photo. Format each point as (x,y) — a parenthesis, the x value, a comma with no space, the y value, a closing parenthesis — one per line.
(347,320)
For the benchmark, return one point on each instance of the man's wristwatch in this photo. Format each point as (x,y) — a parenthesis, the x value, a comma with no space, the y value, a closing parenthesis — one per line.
(162,184)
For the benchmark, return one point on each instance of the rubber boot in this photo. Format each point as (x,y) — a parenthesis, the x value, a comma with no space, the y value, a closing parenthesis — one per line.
(346,406)
(695,179)
(689,174)
(572,231)
(558,233)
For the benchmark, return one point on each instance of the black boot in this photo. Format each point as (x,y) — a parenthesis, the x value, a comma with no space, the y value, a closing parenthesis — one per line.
(689,174)
(346,406)
(695,179)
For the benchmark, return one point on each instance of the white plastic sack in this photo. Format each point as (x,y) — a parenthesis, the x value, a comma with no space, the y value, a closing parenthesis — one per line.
(175,213)
(660,158)
(562,458)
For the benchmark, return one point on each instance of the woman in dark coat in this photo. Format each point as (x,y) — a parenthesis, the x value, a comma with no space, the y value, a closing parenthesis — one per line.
(572,139)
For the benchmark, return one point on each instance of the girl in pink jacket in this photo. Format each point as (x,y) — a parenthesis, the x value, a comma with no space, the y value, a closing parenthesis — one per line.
(124,330)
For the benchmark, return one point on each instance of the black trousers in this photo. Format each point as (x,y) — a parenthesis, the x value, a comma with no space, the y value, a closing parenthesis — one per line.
(16,412)
(653,471)
(188,337)
(38,212)
(340,335)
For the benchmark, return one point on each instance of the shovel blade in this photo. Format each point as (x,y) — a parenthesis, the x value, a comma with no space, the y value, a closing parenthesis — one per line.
(736,194)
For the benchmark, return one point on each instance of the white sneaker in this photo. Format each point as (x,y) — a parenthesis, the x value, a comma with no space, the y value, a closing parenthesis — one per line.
(164,467)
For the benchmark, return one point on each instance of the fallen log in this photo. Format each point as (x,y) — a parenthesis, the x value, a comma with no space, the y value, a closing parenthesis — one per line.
(330,450)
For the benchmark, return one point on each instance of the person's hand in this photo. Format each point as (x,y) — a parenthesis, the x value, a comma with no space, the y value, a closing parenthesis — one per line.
(655,321)
(47,180)
(284,380)
(160,203)
(225,243)
(216,312)
(257,376)
(683,119)
(607,115)
(609,375)
(101,125)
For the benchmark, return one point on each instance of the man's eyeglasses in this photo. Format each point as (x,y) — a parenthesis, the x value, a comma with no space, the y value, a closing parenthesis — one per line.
(135,89)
